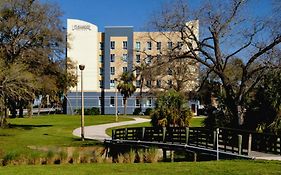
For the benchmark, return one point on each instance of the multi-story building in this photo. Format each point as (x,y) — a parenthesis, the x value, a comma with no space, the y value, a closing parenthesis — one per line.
(106,55)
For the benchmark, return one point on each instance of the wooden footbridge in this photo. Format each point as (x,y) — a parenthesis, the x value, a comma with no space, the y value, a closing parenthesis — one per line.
(221,143)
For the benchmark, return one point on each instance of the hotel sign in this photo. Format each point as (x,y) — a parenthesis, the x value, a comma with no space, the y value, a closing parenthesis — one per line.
(81,28)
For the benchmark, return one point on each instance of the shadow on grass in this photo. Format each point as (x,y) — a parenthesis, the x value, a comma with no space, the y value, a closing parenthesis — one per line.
(27,127)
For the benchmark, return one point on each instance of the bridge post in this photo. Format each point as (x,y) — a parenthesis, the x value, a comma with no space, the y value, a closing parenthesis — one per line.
(126,134)
(186,135)
(250,144)
(164,134)
(143,132)
(113,134)
(172,155)
(239,144)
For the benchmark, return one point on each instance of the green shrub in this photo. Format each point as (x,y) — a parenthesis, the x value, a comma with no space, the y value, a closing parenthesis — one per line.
(9,158)
(63,156)
(137,111)
(89,111)
(120,158)
(148,111)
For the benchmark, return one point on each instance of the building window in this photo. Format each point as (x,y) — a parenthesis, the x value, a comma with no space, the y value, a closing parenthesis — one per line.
(180,44)
(158,83)
(138,45)
(125,69)
(101,45)
(137,102)
(99,103)
(149,102)
(125,57)
(125,44)
(112,57)
(148,83)
(101,71)
(148,59)
(112,83)
(138,83)
(112,102)
(158,45)
(158,58)
(170,45)
(112,45)
(137,72)
(101,85)
(101,58)
(170,83)
(170,71)
(137,58)
(148,45)
(112,70)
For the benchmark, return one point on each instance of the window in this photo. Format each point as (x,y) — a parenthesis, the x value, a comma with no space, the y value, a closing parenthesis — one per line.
(148,59)
(112,45)
(101,84)
(149,102)
(125,44)
(137,72)
(138,45)
(112,70)
(138,83)
(149,45)
(125,69)
(158,83)
(170,71)
(101,58)
(137,102)
(137,58)
(158,58)
(101,45)
(125,57)
(112,57)
(148,83)
(158,45)
(170,83)
(101,71)
(112,102)
(112,83)
(170,45)
(180,44)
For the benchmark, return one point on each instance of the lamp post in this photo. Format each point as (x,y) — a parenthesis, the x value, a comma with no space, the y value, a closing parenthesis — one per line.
(116,100)
(82,67)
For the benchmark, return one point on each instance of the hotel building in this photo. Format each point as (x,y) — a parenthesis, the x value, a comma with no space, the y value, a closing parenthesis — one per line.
(106,55)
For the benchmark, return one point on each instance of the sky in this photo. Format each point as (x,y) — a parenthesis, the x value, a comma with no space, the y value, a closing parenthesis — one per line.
(127,12)
(111,12)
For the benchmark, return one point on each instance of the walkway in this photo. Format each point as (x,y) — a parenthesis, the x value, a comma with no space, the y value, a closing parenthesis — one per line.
(98,132)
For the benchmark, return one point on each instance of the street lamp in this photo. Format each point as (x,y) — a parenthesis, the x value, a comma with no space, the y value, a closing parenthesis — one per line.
(116,100)
(82,67)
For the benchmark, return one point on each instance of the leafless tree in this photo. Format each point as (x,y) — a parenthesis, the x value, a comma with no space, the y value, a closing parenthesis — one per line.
(227,31)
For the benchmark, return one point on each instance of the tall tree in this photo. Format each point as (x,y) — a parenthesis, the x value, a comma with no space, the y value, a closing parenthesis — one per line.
(227,31)
(126,87)
(31,33)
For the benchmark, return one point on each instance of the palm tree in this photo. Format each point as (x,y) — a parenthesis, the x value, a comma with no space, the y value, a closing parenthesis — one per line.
(126,87)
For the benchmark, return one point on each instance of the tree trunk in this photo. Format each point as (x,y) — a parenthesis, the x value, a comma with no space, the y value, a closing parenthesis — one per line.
(125,106)
(29,109)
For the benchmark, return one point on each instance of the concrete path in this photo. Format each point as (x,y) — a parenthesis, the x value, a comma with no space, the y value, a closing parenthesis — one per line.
(97,132)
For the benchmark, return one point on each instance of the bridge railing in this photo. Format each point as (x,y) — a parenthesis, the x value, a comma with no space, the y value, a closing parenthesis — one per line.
(230,140)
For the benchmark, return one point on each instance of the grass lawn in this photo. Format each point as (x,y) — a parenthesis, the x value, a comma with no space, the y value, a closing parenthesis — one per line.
(195,122)
(49,130)
(236,167)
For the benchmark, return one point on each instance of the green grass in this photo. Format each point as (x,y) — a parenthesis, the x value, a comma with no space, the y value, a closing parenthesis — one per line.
(182,168)
(195,122)
(51,130)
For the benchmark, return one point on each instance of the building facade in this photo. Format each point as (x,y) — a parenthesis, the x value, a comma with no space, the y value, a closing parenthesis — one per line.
(106,55)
